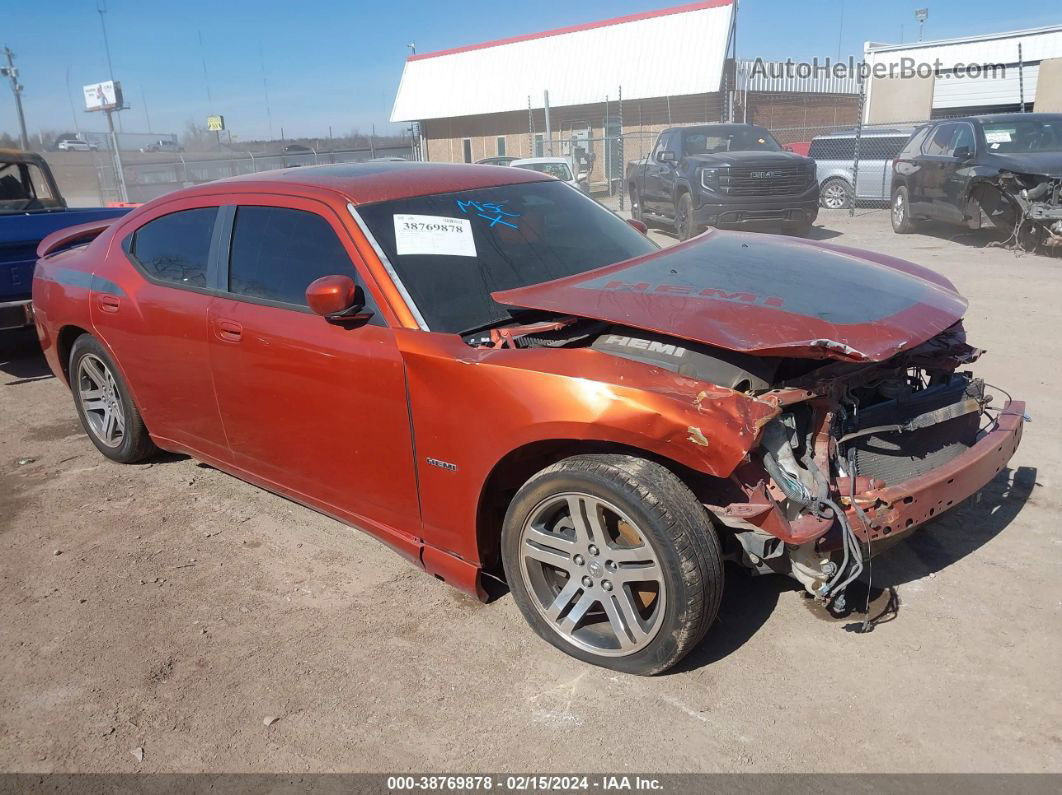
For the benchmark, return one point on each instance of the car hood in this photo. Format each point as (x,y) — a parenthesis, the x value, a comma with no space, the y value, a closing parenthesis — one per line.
(1048,164)
(762,294)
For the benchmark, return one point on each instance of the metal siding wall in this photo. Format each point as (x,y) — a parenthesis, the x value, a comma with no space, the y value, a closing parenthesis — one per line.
(677,54)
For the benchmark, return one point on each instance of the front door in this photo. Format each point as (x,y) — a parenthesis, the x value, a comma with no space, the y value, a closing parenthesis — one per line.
(316,408)
(659,180)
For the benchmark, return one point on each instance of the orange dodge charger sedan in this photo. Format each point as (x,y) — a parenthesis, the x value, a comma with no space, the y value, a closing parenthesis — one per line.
(501,379)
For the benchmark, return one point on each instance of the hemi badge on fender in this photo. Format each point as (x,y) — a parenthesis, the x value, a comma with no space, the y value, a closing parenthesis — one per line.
(435,462)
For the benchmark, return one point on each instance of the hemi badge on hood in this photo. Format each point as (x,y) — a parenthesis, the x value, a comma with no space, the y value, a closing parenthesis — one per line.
(435,462)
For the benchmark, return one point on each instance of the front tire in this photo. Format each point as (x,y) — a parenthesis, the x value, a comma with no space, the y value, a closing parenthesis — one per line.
(613,560)
(685,226)
(903,222)
(637,213)
(105,405)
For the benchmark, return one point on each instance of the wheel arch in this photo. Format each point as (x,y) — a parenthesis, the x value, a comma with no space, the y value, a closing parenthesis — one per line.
(64,344)
(517,466)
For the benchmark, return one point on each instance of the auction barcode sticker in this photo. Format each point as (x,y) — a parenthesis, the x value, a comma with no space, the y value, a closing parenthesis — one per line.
(434,234)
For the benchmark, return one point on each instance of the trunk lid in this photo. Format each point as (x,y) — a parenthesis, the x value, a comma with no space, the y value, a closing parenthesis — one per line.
(762,294)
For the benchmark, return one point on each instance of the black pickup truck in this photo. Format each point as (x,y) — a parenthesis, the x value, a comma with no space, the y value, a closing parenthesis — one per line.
(723,175)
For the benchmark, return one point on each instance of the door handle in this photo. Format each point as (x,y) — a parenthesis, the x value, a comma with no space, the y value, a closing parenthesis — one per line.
(108,302)
(229,330)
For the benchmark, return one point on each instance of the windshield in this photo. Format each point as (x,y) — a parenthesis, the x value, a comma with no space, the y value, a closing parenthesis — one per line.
(558,170)
(452,250)
(24,187)
(1024,136)
(728,138)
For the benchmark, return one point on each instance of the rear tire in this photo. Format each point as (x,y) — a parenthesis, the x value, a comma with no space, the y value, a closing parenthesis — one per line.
(835,194)
(902,221)
(104,404)
(613,560)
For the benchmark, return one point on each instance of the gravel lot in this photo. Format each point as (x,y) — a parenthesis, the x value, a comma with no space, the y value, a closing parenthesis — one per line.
(171,608)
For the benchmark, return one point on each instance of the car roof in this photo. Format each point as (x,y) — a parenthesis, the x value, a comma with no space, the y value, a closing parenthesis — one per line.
(366,183)
(1005,117)
(529,160)
(868,132)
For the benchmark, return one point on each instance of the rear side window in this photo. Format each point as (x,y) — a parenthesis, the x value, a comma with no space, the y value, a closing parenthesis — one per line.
(832,149)
(176,247)
(890,147)
(942,142)
(914,145)
(276,252)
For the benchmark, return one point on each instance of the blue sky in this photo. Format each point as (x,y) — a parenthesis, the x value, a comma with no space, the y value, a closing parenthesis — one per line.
(338,63)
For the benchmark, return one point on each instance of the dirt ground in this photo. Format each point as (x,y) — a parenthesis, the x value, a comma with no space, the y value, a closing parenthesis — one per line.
(171,608)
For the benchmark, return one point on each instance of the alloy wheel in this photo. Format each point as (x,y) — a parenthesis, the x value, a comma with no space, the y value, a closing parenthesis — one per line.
(592,574)
(899,210)
(834,196)
(681,222)
(100,400)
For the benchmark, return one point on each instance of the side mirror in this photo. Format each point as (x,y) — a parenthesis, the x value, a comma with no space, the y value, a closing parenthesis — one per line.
(639,225)
(336,298)
(667,156)
(963,153)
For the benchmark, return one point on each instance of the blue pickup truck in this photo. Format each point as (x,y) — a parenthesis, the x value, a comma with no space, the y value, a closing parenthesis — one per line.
(31,208)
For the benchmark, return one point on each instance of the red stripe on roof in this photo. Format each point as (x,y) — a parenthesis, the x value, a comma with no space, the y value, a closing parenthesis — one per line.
(663,12)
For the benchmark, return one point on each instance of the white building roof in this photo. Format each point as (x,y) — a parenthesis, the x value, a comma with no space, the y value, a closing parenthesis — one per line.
(1006,86)
(671,52)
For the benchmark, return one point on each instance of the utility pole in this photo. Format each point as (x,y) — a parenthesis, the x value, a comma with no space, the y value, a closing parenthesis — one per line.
(119,169)
(73,112)
(840,33)
(549,129)
(11,73)
(143,99)
(206,82)
(265,89)
(101,7)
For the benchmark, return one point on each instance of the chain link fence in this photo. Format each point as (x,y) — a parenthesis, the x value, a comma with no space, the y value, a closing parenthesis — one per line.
(91,178)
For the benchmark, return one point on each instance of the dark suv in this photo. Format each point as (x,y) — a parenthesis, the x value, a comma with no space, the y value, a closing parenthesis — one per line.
(723,175)
(1002,171)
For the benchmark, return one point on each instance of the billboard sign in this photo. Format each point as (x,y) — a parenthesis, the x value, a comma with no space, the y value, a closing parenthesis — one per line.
(215,123)
(103,96)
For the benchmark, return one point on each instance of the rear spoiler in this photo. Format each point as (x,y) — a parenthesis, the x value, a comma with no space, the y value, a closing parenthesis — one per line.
(72,235)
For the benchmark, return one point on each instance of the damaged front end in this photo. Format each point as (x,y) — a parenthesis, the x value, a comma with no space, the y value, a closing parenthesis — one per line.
(862,455)
(1028,206)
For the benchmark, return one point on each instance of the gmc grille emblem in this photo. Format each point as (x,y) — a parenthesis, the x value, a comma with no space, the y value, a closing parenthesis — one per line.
(764,174)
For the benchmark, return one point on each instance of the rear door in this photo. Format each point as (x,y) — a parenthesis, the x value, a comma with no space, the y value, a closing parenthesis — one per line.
(938,162)
(316,409)
(158,329)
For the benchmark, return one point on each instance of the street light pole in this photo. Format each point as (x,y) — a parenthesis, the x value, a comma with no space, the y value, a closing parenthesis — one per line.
(11,73)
